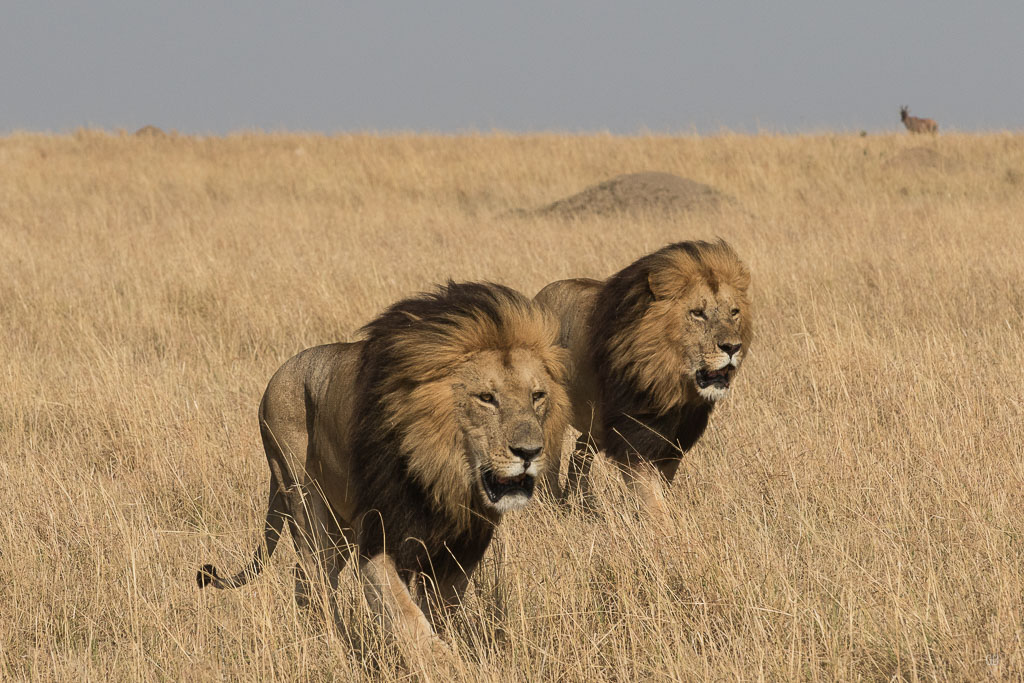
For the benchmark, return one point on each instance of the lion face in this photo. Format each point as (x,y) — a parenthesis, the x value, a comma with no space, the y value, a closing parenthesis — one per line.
(714,322)
(707,325)
(505,402)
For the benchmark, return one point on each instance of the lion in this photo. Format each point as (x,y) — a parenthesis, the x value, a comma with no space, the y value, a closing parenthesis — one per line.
(408,448)
(652,349)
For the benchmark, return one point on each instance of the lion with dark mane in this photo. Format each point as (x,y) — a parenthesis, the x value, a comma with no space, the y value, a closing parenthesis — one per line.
(652,349)
(409,446)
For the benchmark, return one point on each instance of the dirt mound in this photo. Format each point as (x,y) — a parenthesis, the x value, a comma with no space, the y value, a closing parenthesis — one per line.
(922,158)
(649,192)
(150,132)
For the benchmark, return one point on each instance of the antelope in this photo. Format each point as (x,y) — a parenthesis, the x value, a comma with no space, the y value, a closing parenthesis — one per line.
(916,125)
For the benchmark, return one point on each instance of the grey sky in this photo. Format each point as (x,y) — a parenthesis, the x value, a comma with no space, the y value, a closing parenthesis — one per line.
(213,66)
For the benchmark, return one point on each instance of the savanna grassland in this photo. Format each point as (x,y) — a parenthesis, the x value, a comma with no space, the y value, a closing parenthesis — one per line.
(855,511)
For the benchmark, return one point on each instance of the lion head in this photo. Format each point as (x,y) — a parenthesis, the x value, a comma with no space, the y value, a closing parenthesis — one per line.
(689,321)
(469,381)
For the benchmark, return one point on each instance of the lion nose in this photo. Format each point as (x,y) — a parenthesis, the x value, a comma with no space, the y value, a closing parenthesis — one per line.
(526,453)
(730,349)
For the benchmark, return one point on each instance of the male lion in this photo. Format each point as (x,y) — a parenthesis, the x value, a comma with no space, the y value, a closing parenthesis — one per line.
(409,446)
(651,350)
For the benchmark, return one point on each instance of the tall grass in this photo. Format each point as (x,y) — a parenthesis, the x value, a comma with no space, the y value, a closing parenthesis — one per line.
(855,510)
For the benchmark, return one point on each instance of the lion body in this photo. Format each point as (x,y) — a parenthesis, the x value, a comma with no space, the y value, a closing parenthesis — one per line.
(385,447)
(644,370)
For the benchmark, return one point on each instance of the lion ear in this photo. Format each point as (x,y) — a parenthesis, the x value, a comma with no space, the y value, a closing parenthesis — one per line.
(651,286)
(741,278)
(556,363)
(662,285)
(744,278)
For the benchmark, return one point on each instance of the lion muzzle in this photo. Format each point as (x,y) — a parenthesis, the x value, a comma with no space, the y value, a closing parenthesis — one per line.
(527,441)
(526,453)
(498,487)
(730,349)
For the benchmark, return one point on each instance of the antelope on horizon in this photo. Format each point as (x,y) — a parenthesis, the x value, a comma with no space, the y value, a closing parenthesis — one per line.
(916,125)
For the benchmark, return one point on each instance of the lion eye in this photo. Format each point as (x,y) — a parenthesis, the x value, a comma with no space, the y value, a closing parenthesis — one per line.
(699,314)
(735,312)
(538,396)
(487,398)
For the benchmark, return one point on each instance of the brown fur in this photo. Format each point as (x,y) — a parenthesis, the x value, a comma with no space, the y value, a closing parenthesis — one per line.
(637,348)
(916,125)
(425,412)
(382,445)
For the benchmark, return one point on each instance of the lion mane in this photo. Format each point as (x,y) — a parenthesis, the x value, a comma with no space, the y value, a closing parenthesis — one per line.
(406,446)
(652,348)
(407,408)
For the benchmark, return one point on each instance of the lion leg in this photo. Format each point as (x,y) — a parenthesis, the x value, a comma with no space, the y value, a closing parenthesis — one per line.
(646,482)
(554,468)
(322,547)
(577,480)
(272,527)
(389,598)
(668,467)
(438,600)
(323,543)
(327,563)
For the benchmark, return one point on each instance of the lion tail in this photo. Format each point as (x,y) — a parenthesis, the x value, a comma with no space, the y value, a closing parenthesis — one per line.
(272,528)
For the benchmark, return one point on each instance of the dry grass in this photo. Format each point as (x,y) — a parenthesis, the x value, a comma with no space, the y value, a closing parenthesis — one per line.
(855,510)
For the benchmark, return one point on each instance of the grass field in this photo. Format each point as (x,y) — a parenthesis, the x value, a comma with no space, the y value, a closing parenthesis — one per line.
(855,510)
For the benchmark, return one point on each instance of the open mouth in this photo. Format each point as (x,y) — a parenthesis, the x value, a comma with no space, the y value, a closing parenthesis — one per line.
(497,487)
(715,378)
